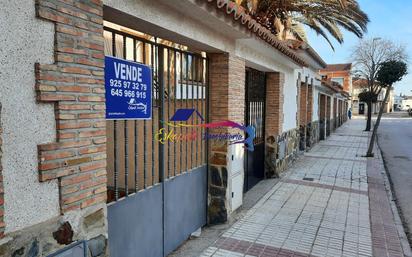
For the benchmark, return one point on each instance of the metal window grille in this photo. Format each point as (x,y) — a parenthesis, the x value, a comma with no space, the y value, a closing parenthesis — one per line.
(136,159)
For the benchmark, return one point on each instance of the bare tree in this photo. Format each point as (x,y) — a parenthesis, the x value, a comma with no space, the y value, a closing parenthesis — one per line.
(368,56)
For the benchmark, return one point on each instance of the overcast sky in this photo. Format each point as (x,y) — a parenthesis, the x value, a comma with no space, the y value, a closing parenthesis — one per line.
(391,19)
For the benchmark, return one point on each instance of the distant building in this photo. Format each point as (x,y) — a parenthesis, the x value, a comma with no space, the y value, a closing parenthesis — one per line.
(358,107)
(406,103)
(397,102)
(340,73)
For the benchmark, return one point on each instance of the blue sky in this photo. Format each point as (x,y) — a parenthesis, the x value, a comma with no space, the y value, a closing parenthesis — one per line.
(390,19)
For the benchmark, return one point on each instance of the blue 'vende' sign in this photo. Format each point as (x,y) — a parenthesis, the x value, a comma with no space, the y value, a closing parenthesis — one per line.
(128,89)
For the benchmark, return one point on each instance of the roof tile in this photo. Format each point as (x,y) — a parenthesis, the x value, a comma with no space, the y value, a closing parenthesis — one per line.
(239,14)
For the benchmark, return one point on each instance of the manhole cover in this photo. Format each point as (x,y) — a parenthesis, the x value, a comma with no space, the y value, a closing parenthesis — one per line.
(308,179)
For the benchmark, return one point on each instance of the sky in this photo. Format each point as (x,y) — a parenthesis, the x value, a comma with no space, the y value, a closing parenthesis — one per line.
(389,19)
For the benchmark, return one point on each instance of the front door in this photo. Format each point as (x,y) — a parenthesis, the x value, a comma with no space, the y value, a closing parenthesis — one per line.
(361,108)
(255,116)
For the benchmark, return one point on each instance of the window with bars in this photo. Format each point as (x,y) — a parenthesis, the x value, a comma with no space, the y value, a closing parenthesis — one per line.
(134,157)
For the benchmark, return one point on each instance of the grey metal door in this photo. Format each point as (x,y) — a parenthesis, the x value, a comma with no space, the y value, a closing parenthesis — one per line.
(255,116)
(157,182)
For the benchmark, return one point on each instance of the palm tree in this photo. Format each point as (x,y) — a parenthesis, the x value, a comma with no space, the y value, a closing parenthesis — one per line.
(286,18)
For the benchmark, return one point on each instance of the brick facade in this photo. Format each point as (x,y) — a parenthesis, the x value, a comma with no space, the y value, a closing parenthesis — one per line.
(227,102)
(335,112)
(274,103)
(303,109)
(2,225)
(75,85)
(309,112)
(281,146)
(303,103)
(328,115)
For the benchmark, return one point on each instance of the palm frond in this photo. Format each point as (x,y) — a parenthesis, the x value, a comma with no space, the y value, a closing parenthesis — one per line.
(326,17)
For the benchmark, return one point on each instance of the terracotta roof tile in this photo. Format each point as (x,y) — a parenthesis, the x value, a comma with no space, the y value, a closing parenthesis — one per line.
(239,14)
(338,67)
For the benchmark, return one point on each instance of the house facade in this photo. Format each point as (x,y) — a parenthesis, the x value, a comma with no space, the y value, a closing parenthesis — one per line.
(340,73)
(406,103)
(76,182)
(361,108)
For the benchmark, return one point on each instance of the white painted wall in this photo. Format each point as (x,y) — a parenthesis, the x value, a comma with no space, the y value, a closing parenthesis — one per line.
(406,104)
(315,114)
(25,40)
(290,106)
(183,18)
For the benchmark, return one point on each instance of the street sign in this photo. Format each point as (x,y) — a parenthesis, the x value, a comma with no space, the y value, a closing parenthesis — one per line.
(128,90)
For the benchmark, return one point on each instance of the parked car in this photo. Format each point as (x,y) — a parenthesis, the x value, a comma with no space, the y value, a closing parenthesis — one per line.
(410,112)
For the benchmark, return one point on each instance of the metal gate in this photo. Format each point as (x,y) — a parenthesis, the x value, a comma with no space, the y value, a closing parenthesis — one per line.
(255,116)
(157,169)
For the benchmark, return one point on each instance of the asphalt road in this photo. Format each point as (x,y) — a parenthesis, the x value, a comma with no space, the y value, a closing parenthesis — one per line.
(395,140)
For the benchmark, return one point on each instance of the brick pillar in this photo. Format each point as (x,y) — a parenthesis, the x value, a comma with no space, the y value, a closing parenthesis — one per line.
(303,113)
(298,87)
(274,103)
(335,113)
(328,115)
(2,225)
(227,102)
(310,102)
(273,119)
(309,129)
(75,85)
(303,103)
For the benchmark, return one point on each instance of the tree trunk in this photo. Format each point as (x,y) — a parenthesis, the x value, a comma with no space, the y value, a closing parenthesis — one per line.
(378,121)
(369,119)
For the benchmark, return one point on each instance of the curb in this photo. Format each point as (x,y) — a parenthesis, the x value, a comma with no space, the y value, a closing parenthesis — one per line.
(378,180)
(396,215)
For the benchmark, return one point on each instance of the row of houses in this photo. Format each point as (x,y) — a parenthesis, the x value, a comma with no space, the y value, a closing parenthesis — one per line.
(402,102)
(74,183)
(361,108)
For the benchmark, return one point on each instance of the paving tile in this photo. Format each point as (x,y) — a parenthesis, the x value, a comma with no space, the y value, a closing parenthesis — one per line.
(329,216)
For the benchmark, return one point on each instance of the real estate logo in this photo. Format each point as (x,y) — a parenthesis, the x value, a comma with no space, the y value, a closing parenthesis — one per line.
(180,120)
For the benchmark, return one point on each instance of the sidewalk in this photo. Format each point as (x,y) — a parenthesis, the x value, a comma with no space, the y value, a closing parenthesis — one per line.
(321,207)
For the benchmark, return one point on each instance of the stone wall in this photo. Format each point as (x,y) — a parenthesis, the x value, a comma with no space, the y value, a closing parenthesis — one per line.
(302,137)
(2,225)
(282,150)
(312,134)
(48,237)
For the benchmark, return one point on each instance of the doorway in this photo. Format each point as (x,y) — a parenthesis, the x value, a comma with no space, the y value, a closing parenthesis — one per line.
(362,108)
(255,116)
